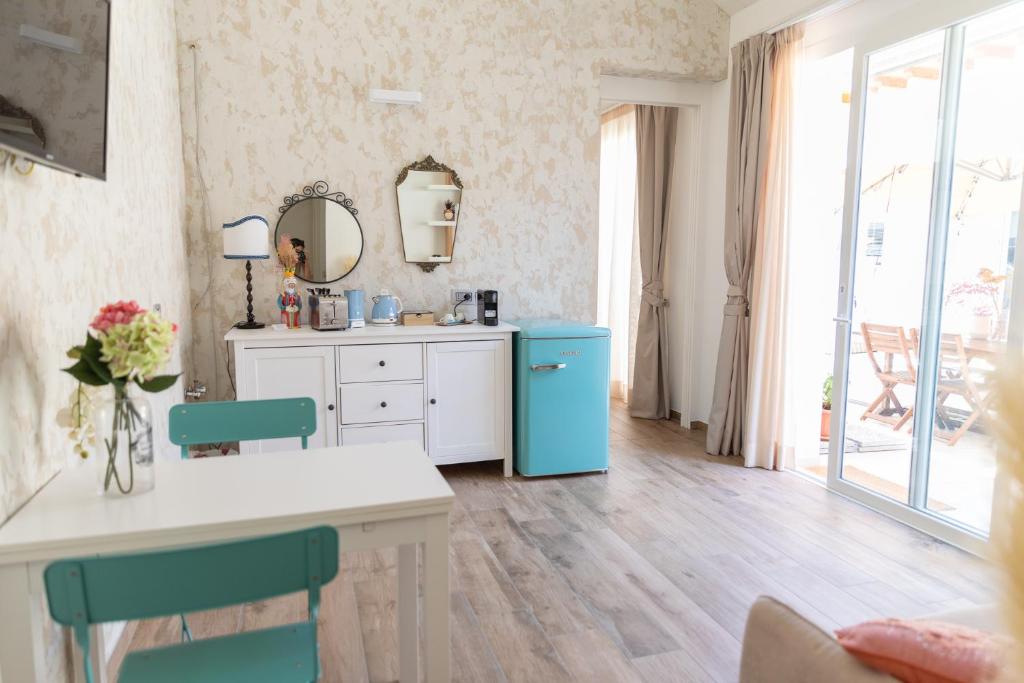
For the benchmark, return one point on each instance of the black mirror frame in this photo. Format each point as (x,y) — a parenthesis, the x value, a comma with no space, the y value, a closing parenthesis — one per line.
(320,190)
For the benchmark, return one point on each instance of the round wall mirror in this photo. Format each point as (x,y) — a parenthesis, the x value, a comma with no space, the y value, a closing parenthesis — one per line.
(324,230)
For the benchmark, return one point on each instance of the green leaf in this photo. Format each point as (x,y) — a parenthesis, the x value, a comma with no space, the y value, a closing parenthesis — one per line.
(90,353)
(101,369)
(91,346)
(83,372)
(158,383)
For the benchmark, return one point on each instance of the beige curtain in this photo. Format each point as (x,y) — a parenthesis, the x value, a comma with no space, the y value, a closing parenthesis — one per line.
(770,433)
(753,62)
(618,271)
(655,151)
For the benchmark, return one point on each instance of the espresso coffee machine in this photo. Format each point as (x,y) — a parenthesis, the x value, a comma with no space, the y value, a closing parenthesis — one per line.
(487,306)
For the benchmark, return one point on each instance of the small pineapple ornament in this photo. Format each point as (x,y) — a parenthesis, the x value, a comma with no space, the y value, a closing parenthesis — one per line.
(449,210)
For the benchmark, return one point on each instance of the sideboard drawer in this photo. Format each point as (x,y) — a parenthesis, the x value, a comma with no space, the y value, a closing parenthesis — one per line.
(382,434)
(380,363)
(388,402)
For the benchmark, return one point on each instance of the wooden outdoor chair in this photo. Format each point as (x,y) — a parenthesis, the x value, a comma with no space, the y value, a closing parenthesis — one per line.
(956,378)
(883,343)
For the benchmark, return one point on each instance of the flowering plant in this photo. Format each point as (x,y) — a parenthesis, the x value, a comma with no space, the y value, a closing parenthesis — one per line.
(125,345)
(980,295)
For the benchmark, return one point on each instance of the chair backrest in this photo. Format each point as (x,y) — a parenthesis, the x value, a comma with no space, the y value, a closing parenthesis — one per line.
(121,587)
(217,421)
(952,352)
(887,339)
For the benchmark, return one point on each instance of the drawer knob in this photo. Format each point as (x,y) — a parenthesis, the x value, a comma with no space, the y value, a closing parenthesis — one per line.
(330,406)
(382,363)
(433,401)
(383,404)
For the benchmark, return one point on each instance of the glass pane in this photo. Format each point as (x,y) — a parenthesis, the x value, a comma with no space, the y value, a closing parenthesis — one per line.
(900,125)
(981,241)
(816,233)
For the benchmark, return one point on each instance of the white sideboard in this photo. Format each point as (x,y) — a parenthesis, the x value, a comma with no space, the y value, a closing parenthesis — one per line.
(448,388)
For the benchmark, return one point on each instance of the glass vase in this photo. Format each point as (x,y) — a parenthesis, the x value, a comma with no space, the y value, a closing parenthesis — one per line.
(123,439)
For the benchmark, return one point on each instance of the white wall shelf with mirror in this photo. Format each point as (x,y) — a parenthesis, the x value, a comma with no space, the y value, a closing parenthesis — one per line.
(447,388)
(429,196)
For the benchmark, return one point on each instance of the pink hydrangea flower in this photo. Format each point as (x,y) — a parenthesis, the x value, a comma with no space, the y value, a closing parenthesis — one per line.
(115,314)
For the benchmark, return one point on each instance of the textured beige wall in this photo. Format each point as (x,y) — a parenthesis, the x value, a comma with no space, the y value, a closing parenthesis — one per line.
(510,102)
(71,244)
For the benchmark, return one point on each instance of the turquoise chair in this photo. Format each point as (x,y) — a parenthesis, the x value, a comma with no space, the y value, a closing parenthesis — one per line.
(94,590)
(218,421)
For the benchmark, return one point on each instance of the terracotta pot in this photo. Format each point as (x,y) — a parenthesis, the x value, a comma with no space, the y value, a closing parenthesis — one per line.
(826,421)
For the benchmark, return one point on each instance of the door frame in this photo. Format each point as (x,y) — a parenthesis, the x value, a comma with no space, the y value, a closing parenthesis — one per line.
(905,24)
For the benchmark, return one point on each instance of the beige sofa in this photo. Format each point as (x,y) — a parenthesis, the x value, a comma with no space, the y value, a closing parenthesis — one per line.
(781,646)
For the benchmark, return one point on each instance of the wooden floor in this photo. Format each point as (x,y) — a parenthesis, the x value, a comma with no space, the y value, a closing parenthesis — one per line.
(643,574)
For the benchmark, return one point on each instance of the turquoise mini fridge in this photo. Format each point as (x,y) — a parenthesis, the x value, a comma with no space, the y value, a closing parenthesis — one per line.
(561,397)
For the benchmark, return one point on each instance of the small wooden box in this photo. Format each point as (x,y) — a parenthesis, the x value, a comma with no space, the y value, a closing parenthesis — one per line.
(417,317)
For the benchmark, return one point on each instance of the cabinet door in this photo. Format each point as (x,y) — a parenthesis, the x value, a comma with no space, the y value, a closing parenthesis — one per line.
(292,372)
(465,401)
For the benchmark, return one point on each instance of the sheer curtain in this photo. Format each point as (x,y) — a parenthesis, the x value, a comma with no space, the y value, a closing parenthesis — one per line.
(618,273)
(779,385)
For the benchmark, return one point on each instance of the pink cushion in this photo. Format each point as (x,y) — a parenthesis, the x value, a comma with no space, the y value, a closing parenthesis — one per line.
(922,651)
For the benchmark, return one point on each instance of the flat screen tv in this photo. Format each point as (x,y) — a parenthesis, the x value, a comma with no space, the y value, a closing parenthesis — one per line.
(54,59)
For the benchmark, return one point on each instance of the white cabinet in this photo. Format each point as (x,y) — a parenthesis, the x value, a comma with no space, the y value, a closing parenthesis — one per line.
(466,409)
(448,388)
(291,372)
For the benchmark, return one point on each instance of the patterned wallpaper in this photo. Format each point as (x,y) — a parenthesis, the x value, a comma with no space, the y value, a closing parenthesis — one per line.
(71,244)
(510,95)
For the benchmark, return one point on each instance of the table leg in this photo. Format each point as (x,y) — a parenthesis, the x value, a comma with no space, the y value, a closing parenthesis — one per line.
(22,651)
(436,601)
(408,614)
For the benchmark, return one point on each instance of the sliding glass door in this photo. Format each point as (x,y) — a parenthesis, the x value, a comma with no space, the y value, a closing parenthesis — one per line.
(925,306)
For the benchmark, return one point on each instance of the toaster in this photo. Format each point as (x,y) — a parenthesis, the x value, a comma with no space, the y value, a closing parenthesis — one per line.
(328,312)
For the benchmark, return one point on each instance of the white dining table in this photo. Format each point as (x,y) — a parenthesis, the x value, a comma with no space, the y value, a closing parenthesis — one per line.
(379,495)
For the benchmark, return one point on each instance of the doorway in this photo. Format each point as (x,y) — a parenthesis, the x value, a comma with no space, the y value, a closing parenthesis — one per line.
(619,277)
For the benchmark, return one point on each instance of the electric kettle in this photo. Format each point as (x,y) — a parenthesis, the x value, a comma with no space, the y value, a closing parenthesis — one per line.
(386,309)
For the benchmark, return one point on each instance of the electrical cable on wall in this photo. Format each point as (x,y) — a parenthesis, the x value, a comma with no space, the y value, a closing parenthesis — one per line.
(207,220)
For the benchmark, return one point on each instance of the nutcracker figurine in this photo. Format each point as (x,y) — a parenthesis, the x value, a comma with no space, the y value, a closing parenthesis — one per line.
(289,300)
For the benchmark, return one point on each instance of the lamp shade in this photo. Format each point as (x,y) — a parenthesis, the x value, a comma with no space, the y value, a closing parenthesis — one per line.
(247,238)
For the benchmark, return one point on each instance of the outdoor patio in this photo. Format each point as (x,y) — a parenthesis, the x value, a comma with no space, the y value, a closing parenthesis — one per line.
(878,457)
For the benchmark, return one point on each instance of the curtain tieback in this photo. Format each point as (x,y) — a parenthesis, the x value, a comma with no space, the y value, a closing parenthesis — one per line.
(652,295)
(732,306)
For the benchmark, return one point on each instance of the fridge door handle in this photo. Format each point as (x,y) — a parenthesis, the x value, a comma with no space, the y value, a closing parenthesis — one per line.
(547,366)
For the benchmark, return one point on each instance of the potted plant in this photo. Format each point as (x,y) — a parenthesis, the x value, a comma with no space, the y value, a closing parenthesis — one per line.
(449,210)
(826,407)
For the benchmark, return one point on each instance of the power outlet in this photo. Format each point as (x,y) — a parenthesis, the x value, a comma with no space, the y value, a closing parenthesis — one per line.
(468,297)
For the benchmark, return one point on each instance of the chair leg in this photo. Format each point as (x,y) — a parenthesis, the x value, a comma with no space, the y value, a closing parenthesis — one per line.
(977,408)
(870,410)
(907,414)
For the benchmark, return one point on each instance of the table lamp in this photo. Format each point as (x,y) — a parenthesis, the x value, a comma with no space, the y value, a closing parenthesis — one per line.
(247,238)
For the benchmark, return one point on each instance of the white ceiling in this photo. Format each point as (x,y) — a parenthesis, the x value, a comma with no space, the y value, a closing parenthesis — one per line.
(733,6)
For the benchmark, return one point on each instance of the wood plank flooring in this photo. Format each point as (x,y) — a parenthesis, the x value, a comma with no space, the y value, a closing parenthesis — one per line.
(643,574)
